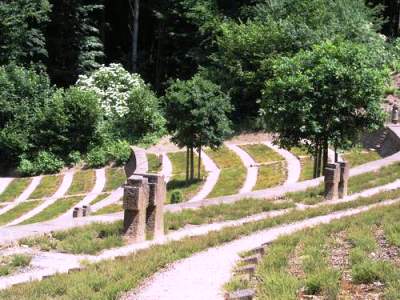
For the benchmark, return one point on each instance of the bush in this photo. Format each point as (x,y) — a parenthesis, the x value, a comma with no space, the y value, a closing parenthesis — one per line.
(43,163)
(74,158)
(119,152)
(26,167)
(96,158)
(176,197)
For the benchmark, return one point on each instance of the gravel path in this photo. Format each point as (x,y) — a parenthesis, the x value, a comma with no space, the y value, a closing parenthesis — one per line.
(66,183)
(250,164)
(113,198)
(4,182)
(166,167)
(212,178)
(97,189)
(293,163)
(24,195)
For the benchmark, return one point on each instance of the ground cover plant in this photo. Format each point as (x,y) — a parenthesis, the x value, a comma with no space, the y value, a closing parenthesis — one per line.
(18,211)
(83,182)
(233,173)
(178,182)
(115,177)
(353,256)
(96,281)
(11,264)
(14,189)
(47,187)
(54,210)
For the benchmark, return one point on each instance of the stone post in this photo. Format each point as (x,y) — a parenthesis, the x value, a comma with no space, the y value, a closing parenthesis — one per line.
(155,209)
(344,179)
(395,114)
(332,177)
(135,202)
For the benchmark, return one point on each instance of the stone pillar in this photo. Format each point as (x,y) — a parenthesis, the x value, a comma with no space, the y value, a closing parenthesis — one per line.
(77,212)
(155,209)
(395,114)
(332,177)
(135,202)
(344,179)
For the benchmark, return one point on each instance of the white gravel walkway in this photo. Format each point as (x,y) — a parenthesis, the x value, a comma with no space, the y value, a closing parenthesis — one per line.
(293,163)
(166,167)
(24,195)
(212,178)
(66,183)
(97,189)
(4,182)
(203,275)
(250,164)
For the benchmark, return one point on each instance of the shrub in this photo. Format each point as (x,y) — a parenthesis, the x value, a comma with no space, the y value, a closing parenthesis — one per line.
(119,152)
(74,158)
(47,163)
(176,197)
(97,157)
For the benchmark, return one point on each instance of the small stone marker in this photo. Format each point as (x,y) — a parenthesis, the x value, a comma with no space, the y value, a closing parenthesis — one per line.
(344,179)
(259,250)
(247,294)
(395,114)
(332,177)
(135,202)
(253,259)
(247,270)
(77,212)
(86,210)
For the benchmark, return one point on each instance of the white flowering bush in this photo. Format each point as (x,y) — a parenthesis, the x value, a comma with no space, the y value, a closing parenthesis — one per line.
(113,85)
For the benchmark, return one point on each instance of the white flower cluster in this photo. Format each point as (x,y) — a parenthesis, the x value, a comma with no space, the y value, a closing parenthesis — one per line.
(113,85)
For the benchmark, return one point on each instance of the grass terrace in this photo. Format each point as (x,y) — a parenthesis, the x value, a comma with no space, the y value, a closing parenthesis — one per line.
(359,156)
(83,182)
(306,161)
(100,281)
(178,180)
(272,171)
(100,197)
(115,177)
(13,263)
(54,210)
(233,172)
(110,209)
(155,162)
(18,211)
(14,189)
(47,187)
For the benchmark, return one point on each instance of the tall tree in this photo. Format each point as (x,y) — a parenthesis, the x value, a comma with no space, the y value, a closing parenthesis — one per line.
(135,11)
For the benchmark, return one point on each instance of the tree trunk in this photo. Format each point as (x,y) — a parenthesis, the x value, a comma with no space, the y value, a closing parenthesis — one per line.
(199,165)
(318,160)
(187,164)
(336,155)
(135,33)
(325,156)
(191,163)
(315,161)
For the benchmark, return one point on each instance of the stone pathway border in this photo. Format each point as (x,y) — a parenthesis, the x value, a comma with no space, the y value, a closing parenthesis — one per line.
(166,167)
(293,165)
(251,166)
(24,195)
(212,178)
(63,188)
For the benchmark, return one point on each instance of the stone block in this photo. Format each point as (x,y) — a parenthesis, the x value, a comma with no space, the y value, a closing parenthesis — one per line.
(86,210)
(258,250)
(247,270)
(247,294)
(344,179)
(332,178)
(77,212)
(253,259)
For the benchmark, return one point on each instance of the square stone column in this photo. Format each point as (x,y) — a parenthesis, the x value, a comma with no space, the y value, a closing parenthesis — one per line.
(155,209)
(344,179)
(332,177)
(135,202)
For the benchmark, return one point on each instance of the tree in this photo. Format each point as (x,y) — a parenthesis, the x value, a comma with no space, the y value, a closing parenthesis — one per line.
(197,115)
(325,96)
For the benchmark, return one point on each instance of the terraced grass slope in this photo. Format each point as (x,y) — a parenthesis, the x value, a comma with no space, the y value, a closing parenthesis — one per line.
(82,183)
(18,211)
(47,187)
(14,189)
(115,177)
(359,156)
(233,172)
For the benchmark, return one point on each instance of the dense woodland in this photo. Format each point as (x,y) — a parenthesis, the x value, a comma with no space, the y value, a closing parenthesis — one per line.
(233,44)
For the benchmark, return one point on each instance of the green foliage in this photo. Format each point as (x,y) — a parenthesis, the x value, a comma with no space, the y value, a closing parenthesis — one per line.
(74,158)
(44,163)
(22,23)
(317,96)
(176,197)
(113,151)
(197,113)
(96,157)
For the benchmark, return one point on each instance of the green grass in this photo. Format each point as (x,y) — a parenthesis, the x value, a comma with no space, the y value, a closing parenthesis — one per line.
(109,279)
(115,177)
(112,208)
(320,278)
(10,264)
(14,189)
(271,175)
(56,209)
(178,180)
(306,161)
(99,198)
(47,187)
(154,162)
(18,211)
(262,153)
(359,156)
(233,172)
(83,182)
(94,238)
